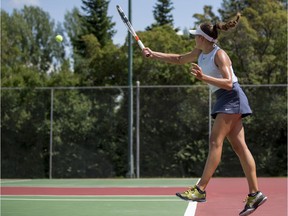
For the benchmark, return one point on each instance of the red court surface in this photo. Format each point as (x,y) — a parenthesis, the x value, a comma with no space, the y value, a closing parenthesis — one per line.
(224,195)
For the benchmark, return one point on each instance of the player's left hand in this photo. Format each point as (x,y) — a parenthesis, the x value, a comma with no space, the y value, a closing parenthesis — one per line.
(196,71)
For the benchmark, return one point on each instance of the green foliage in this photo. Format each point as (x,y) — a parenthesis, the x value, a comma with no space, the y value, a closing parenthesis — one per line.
(162,14)
(231,7)
(93,51)
(83,128)
(173,139)
(207,16)
(90,132)
(73,25)
(256,45)
(96,21)
(31,43)
(151,72)
(269,147)
(98,67)
(25,139)
(63,77)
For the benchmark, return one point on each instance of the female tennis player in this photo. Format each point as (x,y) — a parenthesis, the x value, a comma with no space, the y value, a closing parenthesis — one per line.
(215,68)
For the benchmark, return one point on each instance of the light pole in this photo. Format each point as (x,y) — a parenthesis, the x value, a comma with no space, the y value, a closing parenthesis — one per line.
(130,106)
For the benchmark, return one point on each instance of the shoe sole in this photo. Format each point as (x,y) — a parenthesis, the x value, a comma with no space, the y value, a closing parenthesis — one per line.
(252,210)
(186,199)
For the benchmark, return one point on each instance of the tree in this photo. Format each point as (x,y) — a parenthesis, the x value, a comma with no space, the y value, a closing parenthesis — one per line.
(254,45)
(74,27)
(162,14)
(207,16)
(164,39)
(94,53)
(169,135)
(33,44)
(96,21)
(29,57)
(254,50)
(90,124)
(230,7)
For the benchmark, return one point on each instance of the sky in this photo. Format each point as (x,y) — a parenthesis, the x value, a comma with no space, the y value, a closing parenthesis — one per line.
(142,12)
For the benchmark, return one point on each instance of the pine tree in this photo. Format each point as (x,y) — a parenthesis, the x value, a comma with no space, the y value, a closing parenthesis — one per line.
(162,14)
(96,20)
(207,16)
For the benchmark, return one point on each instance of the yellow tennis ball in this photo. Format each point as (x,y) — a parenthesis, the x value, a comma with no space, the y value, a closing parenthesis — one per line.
(59,38)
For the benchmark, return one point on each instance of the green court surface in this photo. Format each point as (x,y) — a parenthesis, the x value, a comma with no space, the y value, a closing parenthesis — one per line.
(94,205)
(157,182)
(88,206)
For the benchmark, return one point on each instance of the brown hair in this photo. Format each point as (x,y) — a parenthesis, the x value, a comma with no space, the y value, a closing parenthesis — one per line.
(212,30)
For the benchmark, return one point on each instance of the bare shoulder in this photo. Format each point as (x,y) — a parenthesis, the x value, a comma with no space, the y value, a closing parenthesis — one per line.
(222,57)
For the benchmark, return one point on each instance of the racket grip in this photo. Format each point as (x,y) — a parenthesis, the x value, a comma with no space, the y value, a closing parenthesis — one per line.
(147,54)
(141,45)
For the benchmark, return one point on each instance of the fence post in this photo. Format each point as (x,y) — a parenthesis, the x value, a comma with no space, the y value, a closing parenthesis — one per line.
(51,135)
(138,130)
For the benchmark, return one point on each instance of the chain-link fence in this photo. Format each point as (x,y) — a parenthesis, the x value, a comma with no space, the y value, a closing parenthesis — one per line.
(83,132)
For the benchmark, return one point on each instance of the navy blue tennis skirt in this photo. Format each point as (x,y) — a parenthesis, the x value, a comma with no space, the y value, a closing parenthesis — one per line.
(231,102)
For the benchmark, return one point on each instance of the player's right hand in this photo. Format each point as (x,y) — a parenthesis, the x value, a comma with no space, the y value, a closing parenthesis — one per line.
(147,52)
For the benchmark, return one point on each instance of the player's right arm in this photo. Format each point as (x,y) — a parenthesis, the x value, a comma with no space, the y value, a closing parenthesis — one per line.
(173,58)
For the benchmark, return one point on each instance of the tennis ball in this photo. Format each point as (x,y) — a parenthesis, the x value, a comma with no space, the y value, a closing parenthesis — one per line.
(59,38)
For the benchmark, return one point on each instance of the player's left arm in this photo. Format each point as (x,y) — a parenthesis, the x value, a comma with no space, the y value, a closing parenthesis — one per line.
(223,62)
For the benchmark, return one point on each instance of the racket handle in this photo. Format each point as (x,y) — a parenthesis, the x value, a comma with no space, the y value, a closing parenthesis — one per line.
(141,45)
(147,54)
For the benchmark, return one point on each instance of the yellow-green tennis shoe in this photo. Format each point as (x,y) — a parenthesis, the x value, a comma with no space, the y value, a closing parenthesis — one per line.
(193,194)
(252,203)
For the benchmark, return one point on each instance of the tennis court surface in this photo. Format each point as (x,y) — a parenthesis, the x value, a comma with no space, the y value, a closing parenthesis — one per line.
(134,197)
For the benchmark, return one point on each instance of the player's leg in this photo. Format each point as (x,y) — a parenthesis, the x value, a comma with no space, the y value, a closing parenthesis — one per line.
(255,198)
(237,139)
(221,127)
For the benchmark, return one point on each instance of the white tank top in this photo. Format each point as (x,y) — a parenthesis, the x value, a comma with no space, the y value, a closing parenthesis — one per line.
(207,63)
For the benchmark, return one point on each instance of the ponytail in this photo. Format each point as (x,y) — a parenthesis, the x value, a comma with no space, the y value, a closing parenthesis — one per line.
(212,30)
(228,25)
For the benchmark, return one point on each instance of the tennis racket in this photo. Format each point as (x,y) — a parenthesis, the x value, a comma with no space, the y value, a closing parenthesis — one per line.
(130,28)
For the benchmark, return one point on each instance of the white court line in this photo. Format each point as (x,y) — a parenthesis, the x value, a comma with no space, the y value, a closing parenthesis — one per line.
(192,206)
(91,200)
(89,196)
(13,181)
(191,209)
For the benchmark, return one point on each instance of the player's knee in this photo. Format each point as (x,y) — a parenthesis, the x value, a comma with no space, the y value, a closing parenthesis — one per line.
(215,144)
